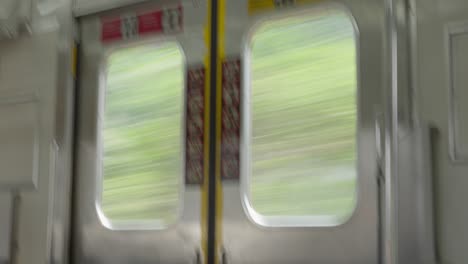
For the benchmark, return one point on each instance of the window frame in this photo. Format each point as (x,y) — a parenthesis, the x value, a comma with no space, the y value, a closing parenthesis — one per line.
(136,225)
(277,221)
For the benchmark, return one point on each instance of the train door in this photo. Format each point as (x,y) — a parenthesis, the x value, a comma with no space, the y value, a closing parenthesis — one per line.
(229,132)
(298,169)
(140,121)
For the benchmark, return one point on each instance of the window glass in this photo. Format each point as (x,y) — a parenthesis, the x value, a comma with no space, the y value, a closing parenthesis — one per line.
(303,117)
(141,134)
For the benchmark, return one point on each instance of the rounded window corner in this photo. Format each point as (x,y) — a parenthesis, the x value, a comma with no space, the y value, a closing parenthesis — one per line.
(306,31)
(134,129)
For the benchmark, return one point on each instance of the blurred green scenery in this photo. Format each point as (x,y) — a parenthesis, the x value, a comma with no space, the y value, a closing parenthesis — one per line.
(303,145)
(142,133)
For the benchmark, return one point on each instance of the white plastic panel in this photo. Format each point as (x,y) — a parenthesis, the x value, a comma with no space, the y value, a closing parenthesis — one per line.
(86,7)
(43,71)
(14,14)
(458,56)
(27,75)
(18,145)
(19,61)
(6,7)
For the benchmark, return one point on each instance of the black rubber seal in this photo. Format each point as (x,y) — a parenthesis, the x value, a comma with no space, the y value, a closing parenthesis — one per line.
(212,139)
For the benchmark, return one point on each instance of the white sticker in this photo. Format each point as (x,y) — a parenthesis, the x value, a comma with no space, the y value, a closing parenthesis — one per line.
(129,26)
(171,20)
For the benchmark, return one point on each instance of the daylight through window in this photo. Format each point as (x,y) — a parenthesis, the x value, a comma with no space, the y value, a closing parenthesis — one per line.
(141,134)
(303,113)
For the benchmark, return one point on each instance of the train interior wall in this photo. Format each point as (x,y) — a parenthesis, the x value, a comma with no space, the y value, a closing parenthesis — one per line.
(37,102)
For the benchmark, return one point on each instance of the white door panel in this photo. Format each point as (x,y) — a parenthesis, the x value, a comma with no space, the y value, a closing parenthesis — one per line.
(249,239)
(99,239)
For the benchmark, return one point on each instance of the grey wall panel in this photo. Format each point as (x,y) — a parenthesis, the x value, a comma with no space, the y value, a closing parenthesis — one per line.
(457,56)
(433,104)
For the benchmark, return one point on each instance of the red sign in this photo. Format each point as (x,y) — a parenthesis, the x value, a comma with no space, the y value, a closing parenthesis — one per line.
(195,116)
(111,30)
(231,119)
(151,22)
(134,25)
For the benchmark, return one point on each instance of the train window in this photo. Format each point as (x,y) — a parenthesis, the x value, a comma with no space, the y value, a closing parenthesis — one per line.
(303,88)
(141,134)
